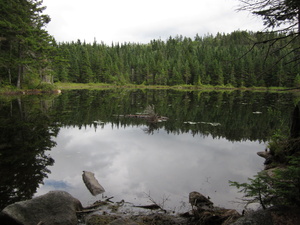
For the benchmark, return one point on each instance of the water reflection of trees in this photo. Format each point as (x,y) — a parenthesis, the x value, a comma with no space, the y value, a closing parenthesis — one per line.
(25,134)
(241,115)
(28,124)
(150,128)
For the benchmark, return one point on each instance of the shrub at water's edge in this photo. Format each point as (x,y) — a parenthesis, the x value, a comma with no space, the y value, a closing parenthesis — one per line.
(279,183)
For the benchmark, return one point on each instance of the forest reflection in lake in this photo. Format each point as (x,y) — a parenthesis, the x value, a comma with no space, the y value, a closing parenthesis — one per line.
(131,165)
(210,138)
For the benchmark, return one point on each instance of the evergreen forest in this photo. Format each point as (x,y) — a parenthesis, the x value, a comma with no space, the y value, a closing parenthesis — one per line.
(26,49)
(209,60)
(31,58)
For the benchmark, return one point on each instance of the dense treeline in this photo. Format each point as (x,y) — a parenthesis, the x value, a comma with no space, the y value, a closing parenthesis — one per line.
(29,56)
(26,48)
(210,60)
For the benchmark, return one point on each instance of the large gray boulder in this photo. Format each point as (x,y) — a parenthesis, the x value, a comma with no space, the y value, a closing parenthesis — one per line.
(53,208)
(275,215)
(260,217)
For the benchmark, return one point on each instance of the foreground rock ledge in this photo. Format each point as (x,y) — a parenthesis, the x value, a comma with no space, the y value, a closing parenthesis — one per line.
(55,207)
(59,208)
(275,215)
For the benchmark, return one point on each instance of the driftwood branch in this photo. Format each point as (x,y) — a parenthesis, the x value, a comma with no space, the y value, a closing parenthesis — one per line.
(153,206)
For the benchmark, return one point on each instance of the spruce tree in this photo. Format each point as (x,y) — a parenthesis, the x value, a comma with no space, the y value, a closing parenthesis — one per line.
(26,54)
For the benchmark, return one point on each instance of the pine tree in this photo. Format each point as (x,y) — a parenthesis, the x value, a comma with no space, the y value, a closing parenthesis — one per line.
(218,78)
(27,53)
(176,77)
(232,80)
(187,72)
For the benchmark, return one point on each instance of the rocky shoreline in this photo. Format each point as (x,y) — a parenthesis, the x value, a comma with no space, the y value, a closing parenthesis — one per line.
(59,207)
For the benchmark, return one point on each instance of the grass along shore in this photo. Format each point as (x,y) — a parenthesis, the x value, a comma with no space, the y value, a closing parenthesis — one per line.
(48,88)
(76,86)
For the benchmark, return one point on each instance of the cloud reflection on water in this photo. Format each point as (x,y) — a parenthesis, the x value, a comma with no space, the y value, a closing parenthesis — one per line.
(130,164)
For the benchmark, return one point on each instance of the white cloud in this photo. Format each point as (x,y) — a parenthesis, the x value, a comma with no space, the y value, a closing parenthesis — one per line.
(142,21)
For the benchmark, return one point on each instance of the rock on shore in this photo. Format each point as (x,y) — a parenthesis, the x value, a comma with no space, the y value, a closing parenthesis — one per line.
(276,215)
(55,207)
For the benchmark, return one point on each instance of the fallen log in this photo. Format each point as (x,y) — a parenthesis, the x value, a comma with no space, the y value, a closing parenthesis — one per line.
(92,183)
(142,116)
(154,118)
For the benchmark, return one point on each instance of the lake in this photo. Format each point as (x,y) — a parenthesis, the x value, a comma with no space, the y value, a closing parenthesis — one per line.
(208,139)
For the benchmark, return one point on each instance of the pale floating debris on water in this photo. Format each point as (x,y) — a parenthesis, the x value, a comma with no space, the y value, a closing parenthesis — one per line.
(257,112)
(191,123)
(212,124)
(194,123)
(162,119)
(118,115)
(98,122)
(92,183)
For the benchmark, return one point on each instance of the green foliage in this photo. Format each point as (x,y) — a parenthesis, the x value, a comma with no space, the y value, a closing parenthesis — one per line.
(207,60)
(26,49)
(281,188)
(26,134)
(277,145)
(275,13)
(259,190)
(297,81)
(28,54)
(281,16)
(237,121)
(287,183)
(47,87)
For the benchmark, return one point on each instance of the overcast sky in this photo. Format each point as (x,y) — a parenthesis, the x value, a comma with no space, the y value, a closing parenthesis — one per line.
(143,20)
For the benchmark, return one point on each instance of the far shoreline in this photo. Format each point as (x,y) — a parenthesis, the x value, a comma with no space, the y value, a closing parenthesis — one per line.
(59,87)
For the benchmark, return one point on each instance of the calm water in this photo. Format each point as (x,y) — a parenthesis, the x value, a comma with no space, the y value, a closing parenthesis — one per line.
(209,139)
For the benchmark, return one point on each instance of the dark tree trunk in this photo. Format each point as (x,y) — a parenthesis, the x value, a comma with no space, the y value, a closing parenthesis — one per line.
(295,127)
